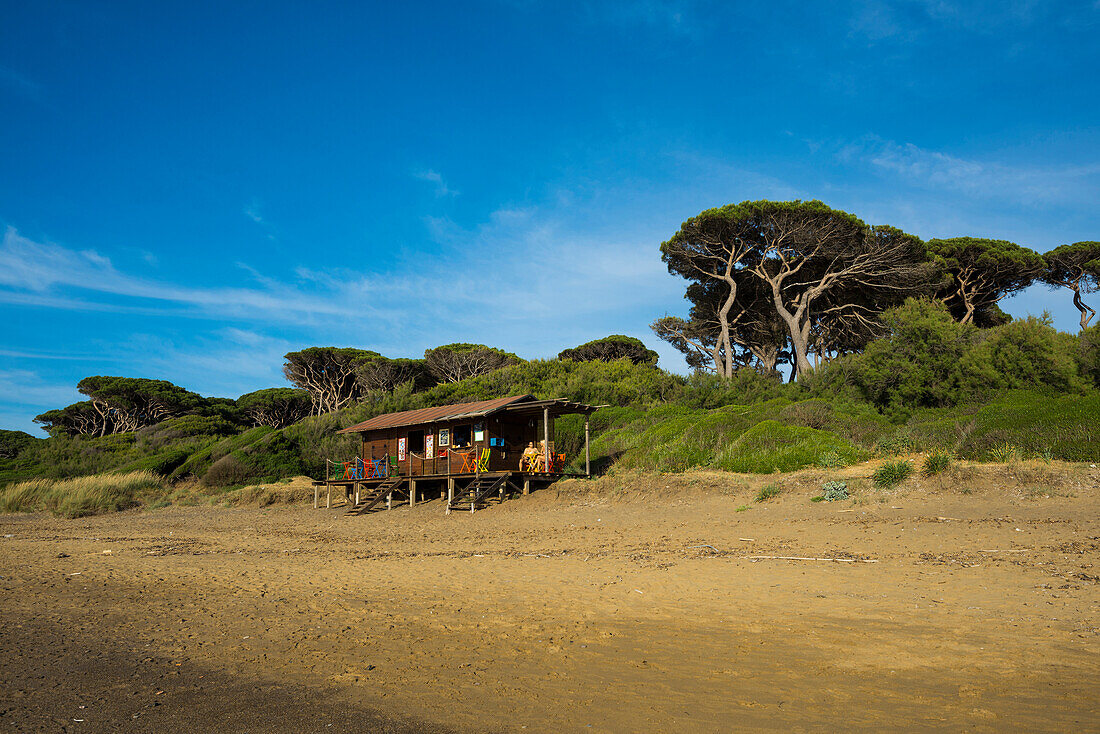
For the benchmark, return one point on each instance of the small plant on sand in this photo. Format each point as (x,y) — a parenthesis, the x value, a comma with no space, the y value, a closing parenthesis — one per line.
(742,508)
(936,462)
(833,491)
(768,491)
(1004,453)
(892,473)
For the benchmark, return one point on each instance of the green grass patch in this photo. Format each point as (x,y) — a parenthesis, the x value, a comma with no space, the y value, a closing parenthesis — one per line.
(936,462)
(892,473)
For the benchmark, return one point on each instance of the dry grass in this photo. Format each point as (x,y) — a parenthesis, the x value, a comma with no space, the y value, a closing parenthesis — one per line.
(91,495)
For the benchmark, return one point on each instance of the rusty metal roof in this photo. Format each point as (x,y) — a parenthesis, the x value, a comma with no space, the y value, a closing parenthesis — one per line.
(436,414)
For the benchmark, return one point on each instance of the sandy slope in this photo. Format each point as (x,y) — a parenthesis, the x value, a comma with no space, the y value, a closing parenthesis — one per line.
(588,608)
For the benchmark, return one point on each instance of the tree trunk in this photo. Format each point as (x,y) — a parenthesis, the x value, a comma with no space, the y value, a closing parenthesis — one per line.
(1086,312)
(724,325)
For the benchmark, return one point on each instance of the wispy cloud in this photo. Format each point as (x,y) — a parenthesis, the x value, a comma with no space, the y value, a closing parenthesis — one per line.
(877,20)
(985,179)
(62,356)
(12,79)
(26,387)
(45,273)
(254,212)
(433,177)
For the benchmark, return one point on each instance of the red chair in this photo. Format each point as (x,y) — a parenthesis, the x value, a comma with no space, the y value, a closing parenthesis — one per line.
(469,461)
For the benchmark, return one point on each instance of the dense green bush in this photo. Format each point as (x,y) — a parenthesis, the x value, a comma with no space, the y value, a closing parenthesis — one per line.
(1089,355)
(1063,427)
(746,386)
(1026,353)
(928,360)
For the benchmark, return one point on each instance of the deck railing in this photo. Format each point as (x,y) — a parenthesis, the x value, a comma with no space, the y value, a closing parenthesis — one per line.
(357,469)
(458,461)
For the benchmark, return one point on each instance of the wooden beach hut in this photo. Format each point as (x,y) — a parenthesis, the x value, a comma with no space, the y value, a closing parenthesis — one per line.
(470,453)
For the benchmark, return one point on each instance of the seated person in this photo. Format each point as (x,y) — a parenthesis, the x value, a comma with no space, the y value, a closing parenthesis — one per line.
(530,457)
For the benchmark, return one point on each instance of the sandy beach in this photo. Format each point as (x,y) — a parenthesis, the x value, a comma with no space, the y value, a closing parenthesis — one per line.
(632,604)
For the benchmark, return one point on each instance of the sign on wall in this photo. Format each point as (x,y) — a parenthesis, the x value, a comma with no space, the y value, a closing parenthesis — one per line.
(401,443)
(444,437)
(429,446)
(479,432)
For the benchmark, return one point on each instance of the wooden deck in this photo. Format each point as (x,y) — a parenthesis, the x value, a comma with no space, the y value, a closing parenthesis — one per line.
(467,491)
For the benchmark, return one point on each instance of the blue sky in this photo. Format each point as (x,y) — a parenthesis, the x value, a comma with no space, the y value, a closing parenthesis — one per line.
(190,190)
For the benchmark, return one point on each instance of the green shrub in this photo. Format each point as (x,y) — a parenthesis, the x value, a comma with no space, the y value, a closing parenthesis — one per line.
(936,462)
(1088,355)
(892,473)
(901,442)
(768,491)
(746,386)
(1026,353)
(771,446)
(834,491)
(928,360)
(832,460)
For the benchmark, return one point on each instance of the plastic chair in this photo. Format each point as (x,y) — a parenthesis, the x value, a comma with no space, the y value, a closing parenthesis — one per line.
(395,467)
(483,462)
(469,461)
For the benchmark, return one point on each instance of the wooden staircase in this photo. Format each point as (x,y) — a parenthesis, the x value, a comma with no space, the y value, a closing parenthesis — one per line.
(480,492)
(374,496)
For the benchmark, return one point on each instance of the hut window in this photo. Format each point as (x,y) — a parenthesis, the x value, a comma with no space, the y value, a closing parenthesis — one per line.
(460,436)
(416,441)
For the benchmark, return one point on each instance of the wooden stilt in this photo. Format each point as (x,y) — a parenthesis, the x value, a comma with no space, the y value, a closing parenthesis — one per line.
(450,493)
(587,454)
(316,496)
(389,501)
(412,492)
(328,497)
(527,486)
(546,439)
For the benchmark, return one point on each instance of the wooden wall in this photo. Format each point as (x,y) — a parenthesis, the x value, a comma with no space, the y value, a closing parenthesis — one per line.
(516,432)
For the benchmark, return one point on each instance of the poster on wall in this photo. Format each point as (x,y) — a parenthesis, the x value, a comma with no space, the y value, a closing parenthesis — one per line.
(401,442)
(479,432)
(429,446)
(444,437)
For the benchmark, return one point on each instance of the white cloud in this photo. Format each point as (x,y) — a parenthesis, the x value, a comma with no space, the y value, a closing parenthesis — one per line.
(985,179)
(36,273)
(907,20)
(254,212)
(433,177)
(25,387)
